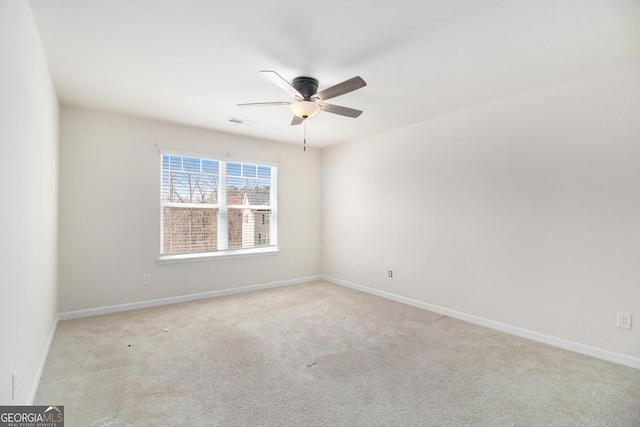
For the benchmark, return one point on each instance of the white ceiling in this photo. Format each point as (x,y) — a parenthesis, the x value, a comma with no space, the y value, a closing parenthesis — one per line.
(192,61)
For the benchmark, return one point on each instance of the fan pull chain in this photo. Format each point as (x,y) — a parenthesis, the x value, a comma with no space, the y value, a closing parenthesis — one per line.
(304,119)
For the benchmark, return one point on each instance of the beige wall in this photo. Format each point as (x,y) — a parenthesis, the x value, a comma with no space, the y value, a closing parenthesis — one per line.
(110,211)
(524,211)
(28,212)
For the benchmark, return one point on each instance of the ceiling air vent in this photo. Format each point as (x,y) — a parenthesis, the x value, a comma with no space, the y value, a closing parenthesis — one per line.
(242,121)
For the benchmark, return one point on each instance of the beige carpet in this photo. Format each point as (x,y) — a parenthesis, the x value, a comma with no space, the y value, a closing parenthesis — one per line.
(321,355)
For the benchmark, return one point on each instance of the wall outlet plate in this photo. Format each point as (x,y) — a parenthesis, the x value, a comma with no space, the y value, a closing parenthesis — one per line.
(624,320)
(146,279)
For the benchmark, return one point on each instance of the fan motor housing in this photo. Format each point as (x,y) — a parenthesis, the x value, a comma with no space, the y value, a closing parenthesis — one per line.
(307,86)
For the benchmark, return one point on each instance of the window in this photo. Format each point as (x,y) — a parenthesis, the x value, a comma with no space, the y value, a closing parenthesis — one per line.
(213,207)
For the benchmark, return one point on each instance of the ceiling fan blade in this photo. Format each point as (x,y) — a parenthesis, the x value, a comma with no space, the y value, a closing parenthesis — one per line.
(337,109)
(282,83)
(340,89)
(296,121)
(261,104)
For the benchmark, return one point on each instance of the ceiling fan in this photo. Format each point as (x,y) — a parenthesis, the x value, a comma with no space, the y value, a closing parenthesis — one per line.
(307,100)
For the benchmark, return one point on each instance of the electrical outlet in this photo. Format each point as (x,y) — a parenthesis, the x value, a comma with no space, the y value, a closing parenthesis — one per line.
(624,320)
(146,279)
(292,263)
(14,384)
(390,273)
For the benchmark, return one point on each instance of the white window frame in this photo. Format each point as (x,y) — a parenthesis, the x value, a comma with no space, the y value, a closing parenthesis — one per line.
(223,252)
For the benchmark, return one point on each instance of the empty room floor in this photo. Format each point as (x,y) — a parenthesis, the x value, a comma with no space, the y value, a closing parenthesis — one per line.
(321,354)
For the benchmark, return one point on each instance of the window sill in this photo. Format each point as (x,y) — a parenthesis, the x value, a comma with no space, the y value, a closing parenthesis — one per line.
(222,255)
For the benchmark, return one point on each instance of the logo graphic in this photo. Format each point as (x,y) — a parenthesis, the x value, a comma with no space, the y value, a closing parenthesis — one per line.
(31,416)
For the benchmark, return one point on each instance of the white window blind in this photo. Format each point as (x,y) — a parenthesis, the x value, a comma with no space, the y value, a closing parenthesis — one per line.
(211,205)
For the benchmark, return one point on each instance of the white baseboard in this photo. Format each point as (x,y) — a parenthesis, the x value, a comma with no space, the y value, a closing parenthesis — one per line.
(622,359)
(43,361)
(183,298)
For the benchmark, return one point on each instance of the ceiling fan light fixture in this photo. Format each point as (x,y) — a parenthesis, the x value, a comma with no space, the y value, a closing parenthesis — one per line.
(304,109)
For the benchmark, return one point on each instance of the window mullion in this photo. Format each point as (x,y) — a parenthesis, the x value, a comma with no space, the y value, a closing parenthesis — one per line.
(190,205)
(223,211)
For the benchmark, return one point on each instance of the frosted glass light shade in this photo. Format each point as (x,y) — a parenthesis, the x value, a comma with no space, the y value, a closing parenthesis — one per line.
(304,108)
